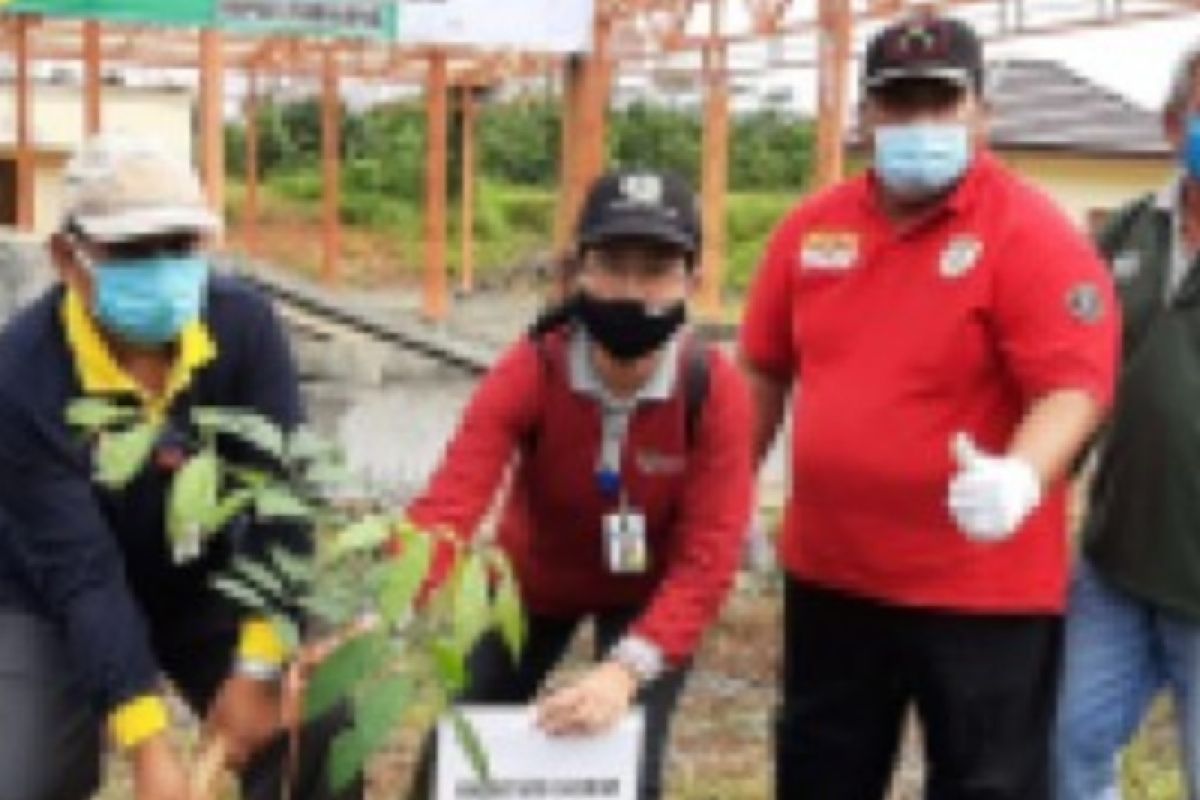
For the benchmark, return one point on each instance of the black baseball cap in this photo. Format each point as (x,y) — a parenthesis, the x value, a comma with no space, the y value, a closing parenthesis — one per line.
(640,204)
(925,46)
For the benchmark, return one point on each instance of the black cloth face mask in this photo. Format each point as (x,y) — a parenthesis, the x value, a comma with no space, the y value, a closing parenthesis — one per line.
(627,329)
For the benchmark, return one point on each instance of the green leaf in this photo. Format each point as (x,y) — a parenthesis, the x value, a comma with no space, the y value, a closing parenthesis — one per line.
(468,740)
(471,611)
(248,426)
(507,610)
(296,568)
(241,592)
(229,507)
(259,576)
(287,632)
(306,445)
(95,413)
(327,474)
(450,664)
(406,577)
(193,498)
(277,502)
(346,759)
(379,709)
(253,478)
(347,666)
(332,611)
(367,533)
(122,454)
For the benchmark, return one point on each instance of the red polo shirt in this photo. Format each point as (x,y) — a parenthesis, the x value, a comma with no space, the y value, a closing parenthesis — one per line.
(898,338)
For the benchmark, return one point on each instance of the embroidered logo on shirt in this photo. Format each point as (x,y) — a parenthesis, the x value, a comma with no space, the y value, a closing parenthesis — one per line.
(1126,266)
(829,251)
(961,255)
(1085,302)
(652,462)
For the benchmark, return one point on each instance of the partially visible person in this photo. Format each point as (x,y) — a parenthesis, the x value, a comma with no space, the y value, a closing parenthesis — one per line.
(97,610)
(1133,623)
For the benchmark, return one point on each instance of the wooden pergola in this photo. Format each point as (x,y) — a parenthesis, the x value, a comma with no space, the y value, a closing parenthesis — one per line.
(628,35)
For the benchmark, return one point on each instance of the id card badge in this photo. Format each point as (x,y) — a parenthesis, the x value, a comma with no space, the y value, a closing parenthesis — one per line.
(625,542)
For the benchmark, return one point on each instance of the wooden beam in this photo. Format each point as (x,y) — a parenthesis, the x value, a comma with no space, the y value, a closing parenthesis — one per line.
(331,121)
(833,78)
(585,129)
(212,123)
(91,78)
(715,166)
(593,120)
(250,206)
(564,218)
(467,220)
(26,177)
(436,301)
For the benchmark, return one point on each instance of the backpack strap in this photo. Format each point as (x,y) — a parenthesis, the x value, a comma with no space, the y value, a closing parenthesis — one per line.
(696,380)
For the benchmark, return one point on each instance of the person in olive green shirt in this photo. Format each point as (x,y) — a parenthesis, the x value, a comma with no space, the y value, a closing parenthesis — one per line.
(1133,623)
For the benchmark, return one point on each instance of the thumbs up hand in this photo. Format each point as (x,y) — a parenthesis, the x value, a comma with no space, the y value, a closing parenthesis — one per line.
(990,496)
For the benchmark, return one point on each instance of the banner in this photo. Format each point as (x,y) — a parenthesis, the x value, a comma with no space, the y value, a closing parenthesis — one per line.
(356,19)
(542,26)
(546,26)
(526,764)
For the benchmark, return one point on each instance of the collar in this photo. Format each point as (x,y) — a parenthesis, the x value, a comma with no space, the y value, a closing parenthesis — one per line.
(100,373)
(1170,196)
(584,379)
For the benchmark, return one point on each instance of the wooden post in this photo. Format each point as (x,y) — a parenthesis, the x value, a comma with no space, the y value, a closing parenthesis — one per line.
(250,207)
(26,176)
(714,167)
(212,102)
(436,301)
(592,132)
(833,75)
(467,220)
(564,221)
(330,169)
(91,78)
(589,83)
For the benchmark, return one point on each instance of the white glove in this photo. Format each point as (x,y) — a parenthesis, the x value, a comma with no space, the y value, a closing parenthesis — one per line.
(990,496)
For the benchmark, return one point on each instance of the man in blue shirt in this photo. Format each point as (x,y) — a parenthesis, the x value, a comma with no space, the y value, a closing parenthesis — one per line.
(95,607)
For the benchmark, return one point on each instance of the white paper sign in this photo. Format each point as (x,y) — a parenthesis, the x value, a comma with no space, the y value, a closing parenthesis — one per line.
(553,26)
(526,764)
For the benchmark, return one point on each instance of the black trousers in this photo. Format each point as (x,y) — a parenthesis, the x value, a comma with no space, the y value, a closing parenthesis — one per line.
(495,678)
(983,686)
(52,741)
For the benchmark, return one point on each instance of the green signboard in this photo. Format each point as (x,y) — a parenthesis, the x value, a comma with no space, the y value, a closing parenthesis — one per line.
(359,19)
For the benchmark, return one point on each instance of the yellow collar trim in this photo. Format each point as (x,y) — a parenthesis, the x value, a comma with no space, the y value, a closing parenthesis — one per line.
(99,372)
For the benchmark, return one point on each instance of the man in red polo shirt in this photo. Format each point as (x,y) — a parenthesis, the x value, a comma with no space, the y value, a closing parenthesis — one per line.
(952,341)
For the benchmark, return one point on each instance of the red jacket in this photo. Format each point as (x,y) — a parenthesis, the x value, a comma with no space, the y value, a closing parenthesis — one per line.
(696,497)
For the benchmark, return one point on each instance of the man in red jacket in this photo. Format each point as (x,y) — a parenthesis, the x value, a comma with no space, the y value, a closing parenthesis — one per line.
(632,485)
(952,340)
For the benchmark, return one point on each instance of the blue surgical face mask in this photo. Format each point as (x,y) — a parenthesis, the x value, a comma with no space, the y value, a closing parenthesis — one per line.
(1191,147)
(149,301)
(921,160)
